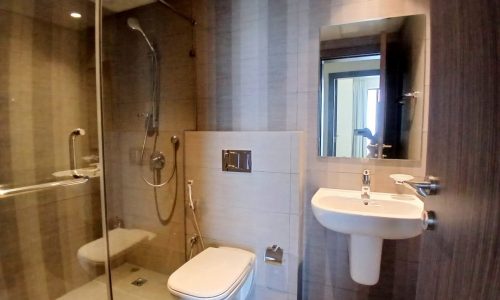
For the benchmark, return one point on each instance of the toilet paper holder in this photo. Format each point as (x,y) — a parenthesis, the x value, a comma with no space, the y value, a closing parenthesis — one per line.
(274,255)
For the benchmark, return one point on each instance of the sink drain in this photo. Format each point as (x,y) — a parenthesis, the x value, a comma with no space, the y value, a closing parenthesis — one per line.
(139,282)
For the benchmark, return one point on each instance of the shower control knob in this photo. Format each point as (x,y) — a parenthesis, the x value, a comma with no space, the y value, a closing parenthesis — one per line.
(157,160)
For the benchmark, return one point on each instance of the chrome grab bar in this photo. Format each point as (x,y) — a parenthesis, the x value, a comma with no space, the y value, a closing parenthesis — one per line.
(72,151)
(5,193)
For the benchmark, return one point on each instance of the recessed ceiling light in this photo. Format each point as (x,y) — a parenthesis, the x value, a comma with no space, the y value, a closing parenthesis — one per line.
(75,15)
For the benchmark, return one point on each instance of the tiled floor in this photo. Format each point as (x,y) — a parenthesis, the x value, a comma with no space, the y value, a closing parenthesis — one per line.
(123,276)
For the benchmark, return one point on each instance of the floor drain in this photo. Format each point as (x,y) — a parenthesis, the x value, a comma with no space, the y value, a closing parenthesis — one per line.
(139,282)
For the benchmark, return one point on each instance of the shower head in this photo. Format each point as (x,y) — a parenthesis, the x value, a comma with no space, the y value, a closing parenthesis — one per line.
(77,131)
(134,24)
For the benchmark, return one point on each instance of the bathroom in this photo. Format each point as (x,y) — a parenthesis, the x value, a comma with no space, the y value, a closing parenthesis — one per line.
(181,149)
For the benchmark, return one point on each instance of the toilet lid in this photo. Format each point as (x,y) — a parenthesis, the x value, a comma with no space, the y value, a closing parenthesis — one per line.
(213,273)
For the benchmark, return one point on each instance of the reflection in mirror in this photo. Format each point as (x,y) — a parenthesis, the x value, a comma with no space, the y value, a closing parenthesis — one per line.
(372,82)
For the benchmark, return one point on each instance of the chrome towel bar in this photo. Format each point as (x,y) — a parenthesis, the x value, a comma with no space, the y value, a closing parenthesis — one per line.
(5,193)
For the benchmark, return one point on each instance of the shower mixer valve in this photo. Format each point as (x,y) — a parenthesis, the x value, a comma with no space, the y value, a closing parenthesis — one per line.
(157,163)
(157,160)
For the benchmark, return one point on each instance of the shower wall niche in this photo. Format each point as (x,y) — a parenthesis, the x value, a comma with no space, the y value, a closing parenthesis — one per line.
(126,98)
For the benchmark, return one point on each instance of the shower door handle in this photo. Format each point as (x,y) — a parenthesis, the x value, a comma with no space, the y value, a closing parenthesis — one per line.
(72,152)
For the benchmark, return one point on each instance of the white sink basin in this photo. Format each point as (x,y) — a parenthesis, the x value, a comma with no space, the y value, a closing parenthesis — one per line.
(386,216)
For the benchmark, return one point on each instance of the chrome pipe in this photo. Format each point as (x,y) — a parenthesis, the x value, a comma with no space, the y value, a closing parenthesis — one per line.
(424,188)
(177,12)
(365,187)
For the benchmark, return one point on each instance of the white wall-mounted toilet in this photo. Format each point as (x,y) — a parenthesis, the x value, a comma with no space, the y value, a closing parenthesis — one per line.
(214,274)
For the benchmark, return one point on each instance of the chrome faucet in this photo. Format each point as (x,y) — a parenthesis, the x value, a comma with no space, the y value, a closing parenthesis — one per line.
(425,188)
(365,188)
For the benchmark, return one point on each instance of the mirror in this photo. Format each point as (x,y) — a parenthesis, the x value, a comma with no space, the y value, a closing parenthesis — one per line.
(372,88)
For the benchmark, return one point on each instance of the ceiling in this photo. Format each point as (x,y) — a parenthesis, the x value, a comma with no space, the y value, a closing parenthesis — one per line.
(122,5)
(53,11)
(367,28)
(58,12)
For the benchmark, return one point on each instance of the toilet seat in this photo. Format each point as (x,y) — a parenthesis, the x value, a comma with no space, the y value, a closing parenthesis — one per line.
(213,274)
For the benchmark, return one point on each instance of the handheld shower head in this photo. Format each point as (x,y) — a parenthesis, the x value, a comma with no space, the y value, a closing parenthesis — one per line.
(77,131)
(152,117)
(134,24)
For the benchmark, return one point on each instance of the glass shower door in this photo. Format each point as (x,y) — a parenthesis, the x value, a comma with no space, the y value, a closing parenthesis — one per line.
(47,105)
(148,102)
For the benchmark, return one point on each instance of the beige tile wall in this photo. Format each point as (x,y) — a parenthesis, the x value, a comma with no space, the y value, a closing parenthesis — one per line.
(44,63)
(250,210)
(258,69)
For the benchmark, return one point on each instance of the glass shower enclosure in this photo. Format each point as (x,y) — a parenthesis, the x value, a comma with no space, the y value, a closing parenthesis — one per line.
(49,202)
(91,146)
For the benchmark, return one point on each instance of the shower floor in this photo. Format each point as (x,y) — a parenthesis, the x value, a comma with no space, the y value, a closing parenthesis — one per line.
(154,288)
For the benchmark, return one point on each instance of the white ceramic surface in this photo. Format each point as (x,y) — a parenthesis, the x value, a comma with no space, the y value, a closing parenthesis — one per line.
(386,216)
(215,274)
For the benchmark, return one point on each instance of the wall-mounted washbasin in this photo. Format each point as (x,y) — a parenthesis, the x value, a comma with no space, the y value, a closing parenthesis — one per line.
(385,216)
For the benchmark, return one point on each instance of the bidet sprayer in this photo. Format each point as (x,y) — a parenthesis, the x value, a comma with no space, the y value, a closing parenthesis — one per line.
(190,193)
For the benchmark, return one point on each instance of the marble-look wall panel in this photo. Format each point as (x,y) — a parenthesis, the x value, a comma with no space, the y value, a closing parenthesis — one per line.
(250,210)
(47,88)
(258,69)
(127,96)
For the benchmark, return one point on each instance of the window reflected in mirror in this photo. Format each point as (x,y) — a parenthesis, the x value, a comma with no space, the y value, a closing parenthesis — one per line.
(353,93)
